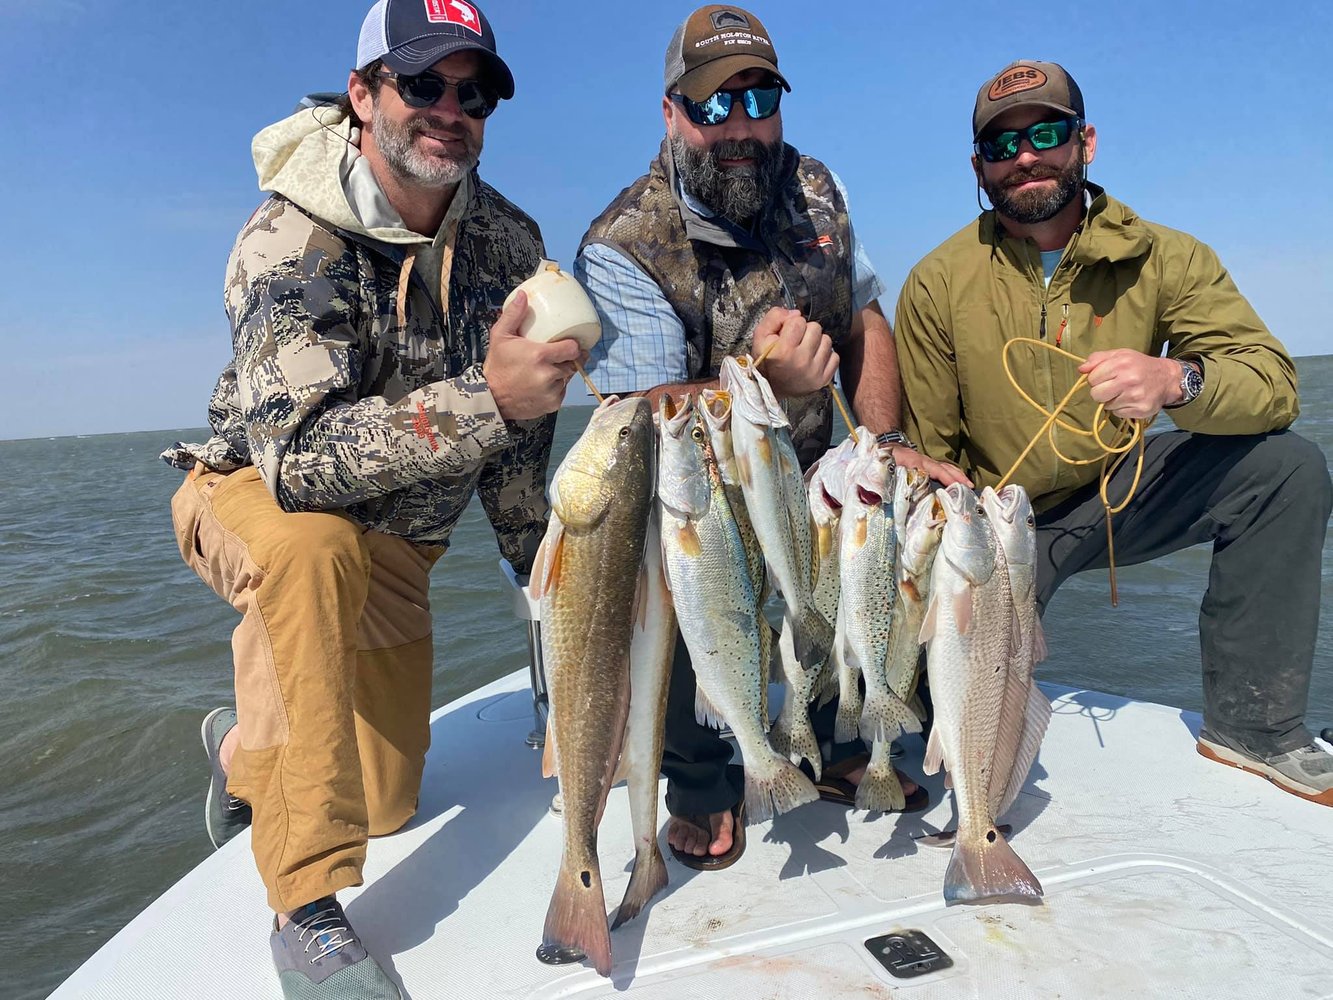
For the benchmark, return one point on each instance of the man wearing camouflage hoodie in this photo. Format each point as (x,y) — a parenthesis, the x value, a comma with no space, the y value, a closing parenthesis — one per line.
(1162,327)
(376,384)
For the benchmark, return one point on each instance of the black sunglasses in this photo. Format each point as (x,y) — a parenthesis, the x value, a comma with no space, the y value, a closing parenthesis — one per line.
(1043,135)
(423,89)
(759,103)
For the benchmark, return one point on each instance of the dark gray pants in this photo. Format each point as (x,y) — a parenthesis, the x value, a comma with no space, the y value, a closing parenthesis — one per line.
(1264,503)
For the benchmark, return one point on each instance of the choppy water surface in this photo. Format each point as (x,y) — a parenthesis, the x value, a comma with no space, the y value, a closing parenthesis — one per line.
(111,651)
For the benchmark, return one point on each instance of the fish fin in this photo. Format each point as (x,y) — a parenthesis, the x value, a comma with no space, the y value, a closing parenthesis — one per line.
(688,539)
(744,475)
(885,717)
(879,789)
(962,610)
(827,538)
(576,918)
(621,772)
(774,786)
(546,563)
(784,463)
(860,530)
(648,878)
(1035,721)
(1039,650)
(929,622)
(764,450)
(550,764)
(812,638)
(934,751)
(986,867)
(705,712)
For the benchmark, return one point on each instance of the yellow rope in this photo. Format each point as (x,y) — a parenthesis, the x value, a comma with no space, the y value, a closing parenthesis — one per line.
(837,396)
(1128,434)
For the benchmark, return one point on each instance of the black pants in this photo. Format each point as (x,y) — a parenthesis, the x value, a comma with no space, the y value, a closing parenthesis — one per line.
(696,760)
(1264,503)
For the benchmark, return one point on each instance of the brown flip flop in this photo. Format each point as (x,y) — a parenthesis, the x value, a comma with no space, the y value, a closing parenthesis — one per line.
(834,787)
(714,862)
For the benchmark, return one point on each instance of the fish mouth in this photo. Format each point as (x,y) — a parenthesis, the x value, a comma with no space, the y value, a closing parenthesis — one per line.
(828,498)
(868,497)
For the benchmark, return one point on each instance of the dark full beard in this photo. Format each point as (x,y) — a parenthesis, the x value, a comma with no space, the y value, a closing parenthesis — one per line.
(1030,207)
(735,193)
(397,145)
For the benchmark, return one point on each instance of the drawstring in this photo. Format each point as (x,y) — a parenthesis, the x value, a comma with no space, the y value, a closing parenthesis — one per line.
(404,276)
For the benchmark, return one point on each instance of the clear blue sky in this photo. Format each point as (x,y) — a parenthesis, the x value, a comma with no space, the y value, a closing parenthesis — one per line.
(128,171)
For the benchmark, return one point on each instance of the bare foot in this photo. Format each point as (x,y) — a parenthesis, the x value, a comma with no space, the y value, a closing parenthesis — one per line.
(687,838)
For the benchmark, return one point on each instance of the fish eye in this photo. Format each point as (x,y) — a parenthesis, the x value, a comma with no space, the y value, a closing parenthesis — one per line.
(624,432)
(981,512)
(1032,521)
(697,433)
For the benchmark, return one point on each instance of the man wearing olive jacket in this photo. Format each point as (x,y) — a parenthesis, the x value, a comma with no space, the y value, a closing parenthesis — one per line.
(1059,261)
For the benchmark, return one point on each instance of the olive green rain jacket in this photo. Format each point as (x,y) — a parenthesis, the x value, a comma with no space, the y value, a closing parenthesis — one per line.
(1122,282)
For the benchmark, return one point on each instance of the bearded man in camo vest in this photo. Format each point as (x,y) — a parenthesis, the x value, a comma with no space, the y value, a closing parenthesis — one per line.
(375,386)
(731,240)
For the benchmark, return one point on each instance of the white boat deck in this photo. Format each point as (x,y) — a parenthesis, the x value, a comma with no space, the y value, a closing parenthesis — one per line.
(1166,876)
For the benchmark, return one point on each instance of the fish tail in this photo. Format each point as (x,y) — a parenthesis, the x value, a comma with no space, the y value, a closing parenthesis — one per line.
(846,723)
(886,717)
(794,735)
(812,638)
(773,787)
(880,790)
(646,881)
(576,918)
(986,867)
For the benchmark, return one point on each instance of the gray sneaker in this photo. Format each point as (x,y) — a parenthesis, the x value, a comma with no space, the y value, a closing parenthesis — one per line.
(1306,771)
(319,957)
(224,814)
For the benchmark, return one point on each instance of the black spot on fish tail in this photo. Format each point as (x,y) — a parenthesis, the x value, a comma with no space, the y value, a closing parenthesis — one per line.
(586,878)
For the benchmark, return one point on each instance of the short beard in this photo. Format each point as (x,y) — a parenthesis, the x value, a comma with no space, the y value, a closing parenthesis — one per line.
(397,144)
(1031,207)
(737,194)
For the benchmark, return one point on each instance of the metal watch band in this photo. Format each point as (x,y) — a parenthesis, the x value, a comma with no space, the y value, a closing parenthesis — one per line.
(894,437)
(1191,382)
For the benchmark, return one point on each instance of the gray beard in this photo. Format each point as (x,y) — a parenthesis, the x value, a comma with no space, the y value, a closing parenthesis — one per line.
(737,194)
(396,145)
(1032,207)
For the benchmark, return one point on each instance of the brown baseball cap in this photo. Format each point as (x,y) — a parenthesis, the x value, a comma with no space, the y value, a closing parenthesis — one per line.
(1023,82)
(712,44)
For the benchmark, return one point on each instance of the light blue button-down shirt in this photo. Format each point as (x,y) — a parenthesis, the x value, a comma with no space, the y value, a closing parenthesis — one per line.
(643,340)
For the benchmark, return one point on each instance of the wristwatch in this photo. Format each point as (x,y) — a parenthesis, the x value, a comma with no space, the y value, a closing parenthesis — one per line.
(1191,381)
(894,437)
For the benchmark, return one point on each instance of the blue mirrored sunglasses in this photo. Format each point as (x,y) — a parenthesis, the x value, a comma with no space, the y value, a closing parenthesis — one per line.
(758,102)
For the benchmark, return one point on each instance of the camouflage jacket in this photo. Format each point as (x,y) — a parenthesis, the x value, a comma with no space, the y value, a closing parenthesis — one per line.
(720,280)
(347,397)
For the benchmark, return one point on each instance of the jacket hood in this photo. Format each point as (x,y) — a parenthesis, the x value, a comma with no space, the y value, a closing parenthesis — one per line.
(312,158)
(1110,230)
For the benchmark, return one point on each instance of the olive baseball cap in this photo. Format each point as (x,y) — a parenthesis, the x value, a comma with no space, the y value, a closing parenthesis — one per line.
(1023,82)
(714,43)
(411,36)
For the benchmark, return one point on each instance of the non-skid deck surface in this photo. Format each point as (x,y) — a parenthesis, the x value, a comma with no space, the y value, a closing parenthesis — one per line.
(1165,875)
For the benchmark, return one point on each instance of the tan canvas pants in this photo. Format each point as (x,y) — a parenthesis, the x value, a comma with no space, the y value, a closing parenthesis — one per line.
(333,675)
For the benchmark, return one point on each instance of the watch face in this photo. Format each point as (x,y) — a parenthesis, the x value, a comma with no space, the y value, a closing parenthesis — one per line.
(1193,383)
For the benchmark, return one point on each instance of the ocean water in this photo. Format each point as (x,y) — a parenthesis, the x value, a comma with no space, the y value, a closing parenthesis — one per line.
(111,651)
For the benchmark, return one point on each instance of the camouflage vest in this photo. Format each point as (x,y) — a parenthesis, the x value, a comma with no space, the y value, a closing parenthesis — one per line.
(721,281)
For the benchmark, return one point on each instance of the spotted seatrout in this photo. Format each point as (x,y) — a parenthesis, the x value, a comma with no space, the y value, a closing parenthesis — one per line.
(585,574)
(718,609)
(970,631)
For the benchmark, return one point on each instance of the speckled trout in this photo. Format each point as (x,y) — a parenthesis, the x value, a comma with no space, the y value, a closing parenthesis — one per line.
(792,733)
(585,574)
(970,633)
(717,607)
(775,496)
(1027,711)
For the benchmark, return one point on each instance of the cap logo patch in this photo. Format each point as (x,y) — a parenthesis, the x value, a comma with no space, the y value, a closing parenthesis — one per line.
(458,12)
(1017,80)
(723,19)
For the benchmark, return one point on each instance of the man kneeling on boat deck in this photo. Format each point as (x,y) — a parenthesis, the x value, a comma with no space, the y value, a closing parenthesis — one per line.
(731,240)
(375,386)
(1060,261)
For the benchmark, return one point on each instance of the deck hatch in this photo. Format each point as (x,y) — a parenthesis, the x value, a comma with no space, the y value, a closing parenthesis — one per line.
(908,954)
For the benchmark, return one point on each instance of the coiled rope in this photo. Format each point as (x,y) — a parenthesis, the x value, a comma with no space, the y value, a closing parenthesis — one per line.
(1127,434)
